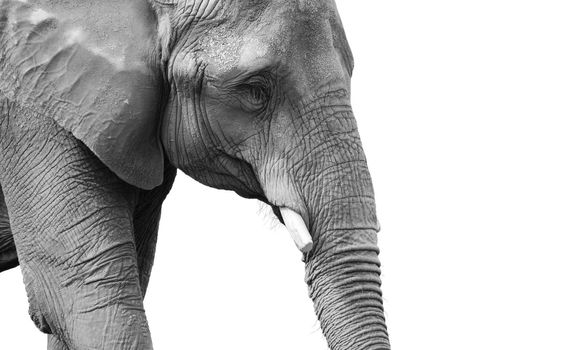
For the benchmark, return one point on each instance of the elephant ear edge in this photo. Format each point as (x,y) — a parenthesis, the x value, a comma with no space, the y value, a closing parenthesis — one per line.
(124,135)
(109,94)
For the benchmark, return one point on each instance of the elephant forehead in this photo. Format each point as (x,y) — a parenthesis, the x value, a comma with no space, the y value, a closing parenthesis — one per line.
(303,44)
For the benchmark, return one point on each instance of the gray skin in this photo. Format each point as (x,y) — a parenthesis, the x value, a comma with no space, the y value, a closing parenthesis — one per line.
(101,102)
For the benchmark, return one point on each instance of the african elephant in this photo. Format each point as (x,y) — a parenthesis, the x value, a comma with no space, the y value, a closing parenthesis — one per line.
(101,102)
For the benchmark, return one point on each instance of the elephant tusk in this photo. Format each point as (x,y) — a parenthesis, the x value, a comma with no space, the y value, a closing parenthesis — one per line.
(297,229)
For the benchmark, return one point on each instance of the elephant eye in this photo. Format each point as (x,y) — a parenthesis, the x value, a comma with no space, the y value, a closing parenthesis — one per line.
(255,97)
(255,92)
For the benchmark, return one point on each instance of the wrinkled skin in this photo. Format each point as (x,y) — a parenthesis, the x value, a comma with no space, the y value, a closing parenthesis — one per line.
(101,103)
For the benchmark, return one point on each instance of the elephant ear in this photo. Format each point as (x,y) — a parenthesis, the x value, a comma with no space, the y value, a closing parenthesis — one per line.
(92,66)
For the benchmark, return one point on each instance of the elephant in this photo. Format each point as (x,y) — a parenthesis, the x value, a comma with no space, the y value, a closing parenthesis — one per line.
(101,102)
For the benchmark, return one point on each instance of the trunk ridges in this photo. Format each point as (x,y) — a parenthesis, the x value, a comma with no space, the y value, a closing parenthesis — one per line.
(344,284)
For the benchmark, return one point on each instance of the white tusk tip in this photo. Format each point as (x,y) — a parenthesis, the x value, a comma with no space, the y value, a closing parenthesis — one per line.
(297,229)
(306,248)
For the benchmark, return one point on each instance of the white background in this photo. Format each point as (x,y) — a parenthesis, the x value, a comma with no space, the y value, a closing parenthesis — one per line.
(472,114)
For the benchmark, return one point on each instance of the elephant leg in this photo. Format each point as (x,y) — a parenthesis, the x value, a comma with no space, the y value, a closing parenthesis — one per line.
(73,229)
(8,257)
(146,220)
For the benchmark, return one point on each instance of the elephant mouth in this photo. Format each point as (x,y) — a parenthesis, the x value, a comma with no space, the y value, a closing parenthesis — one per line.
(296,227)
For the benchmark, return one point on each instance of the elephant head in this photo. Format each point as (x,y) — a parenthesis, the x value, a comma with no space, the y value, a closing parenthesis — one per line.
(251,96)
(259,103)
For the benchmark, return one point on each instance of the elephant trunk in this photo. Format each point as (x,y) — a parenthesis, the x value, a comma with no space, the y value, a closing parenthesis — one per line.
(343,273)
(343,269)
(345,287)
